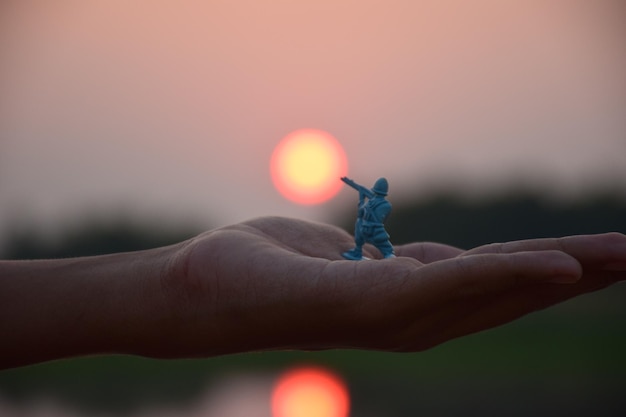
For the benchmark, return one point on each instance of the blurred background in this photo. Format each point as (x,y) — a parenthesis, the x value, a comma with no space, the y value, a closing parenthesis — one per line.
(129,125)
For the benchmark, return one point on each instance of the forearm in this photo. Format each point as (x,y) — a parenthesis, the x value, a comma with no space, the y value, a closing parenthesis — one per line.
(51,309)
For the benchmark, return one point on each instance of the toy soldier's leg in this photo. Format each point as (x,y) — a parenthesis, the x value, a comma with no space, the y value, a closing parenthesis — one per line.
(356,254)
(383,244)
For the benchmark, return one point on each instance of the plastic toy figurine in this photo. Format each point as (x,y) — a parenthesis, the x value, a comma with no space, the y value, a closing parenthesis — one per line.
(369,227)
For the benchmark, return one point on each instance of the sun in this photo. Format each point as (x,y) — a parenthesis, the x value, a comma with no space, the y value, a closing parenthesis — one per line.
(310,392)
(306,166)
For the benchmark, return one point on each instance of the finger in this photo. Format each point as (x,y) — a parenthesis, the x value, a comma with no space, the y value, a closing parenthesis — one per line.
(603,251)
(405,287)
(469,294)
(427,252)
(515,304)
(435,299)
(484,274)
(539,297)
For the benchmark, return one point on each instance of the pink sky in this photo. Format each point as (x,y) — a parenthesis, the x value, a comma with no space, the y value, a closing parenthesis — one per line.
(175,107)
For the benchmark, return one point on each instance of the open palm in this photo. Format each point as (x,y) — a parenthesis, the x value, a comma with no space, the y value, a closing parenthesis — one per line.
(277,283)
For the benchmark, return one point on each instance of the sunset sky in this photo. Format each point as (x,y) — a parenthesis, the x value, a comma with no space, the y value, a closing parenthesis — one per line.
(175,107)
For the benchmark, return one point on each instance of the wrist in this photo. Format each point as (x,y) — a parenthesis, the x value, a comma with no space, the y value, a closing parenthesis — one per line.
(143,310)
(52,309)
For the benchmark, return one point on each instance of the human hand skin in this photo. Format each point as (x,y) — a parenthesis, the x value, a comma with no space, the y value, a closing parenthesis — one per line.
(275,283)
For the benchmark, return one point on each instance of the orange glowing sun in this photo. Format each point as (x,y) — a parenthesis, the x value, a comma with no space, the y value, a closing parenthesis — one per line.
(306,166)
(310,392)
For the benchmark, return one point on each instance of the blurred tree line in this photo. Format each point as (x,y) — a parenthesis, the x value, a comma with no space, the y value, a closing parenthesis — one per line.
(444,217)
(93,236)
(458,221)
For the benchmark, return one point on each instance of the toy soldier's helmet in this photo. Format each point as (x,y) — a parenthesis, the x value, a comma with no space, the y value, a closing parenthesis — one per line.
(381,186)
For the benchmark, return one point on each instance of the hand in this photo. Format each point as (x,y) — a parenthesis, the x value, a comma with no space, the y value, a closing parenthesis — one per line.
(275,283)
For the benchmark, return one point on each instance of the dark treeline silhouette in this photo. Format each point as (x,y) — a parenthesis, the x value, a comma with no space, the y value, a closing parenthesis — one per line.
(94,236)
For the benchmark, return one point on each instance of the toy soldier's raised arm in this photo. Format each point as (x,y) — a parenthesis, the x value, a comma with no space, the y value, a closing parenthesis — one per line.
(361,189)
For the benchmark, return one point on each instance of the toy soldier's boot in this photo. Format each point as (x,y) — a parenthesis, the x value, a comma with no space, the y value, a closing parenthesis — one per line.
(355,254)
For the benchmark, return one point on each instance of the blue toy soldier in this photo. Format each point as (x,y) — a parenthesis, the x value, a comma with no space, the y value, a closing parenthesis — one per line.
(369,227)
